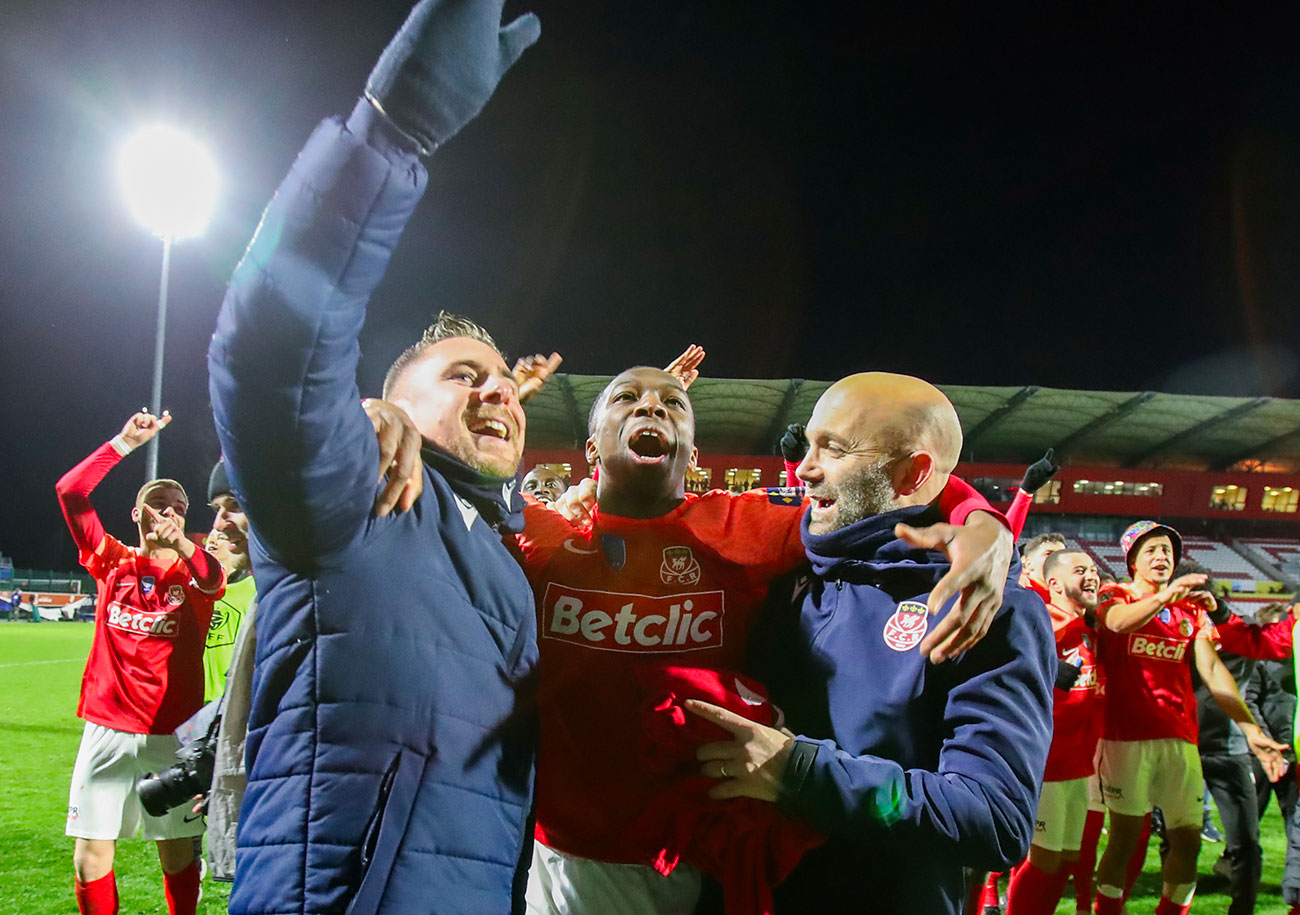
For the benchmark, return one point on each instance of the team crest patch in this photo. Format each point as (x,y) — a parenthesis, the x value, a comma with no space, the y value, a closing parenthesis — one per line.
(1185,628)
(907,626)
(175,595)
(1165,615)
(146,585)
(679,567)
(785,495)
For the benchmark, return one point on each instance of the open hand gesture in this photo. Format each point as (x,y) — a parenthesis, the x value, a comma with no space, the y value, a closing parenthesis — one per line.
(532,371)
(687,366)
(980,552)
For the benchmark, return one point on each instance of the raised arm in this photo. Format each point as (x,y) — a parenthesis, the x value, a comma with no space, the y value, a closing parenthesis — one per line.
(75,486)
(283,359)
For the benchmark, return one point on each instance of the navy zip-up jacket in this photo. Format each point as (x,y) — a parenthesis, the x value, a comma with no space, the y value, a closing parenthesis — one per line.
(913,770)
(392,731)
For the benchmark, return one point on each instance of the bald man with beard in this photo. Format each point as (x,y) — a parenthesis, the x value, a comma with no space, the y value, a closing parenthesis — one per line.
(914,770)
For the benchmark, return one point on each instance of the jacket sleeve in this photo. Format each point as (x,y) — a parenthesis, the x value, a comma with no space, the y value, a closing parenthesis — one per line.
(302,456)
(978,803)
(1266,643)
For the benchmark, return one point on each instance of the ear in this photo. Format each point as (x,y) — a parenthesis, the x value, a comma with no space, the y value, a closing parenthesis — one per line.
(694,462)
(913,472)
(136,514)
(593,457)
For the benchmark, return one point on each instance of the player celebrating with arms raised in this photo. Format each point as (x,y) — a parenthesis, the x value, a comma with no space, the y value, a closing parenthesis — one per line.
(144,676)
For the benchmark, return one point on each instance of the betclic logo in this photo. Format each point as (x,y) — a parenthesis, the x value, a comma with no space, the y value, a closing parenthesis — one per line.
(637,623)
(128,619)
(1147,646)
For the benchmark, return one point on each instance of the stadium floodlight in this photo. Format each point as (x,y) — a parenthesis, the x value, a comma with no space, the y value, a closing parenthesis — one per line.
(170,183)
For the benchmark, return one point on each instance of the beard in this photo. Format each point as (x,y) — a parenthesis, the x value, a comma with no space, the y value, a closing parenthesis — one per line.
(1086,601)
(865,495)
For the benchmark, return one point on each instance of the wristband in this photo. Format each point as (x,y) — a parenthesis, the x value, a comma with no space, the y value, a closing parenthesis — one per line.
(120,445)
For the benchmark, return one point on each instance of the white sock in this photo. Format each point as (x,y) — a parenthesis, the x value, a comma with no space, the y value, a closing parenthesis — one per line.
(1112,892)
(1180,893)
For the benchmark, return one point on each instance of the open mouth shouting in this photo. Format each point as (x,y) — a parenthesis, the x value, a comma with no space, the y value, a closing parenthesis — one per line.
(649,445)
(822,506)
(489,427)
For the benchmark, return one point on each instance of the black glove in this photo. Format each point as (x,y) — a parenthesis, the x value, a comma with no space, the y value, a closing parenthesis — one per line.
(441,68)
(794,445)
(1066,675)
(1221,612)
(1038,473)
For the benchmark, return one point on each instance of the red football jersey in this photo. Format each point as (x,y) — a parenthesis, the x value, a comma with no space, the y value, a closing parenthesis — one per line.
(628,595)
(1077,712)
(144,674)
(1148,672)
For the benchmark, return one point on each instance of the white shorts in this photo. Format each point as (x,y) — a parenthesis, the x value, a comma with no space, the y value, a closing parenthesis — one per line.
(1095,801)
(1139,774)
(1062,809)
(561,884)
(103,803)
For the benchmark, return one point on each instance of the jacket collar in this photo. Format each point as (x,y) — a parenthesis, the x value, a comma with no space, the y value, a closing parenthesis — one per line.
(869,549)
(496,499)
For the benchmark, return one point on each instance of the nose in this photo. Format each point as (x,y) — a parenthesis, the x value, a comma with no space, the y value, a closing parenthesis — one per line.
(497,389)
(808,471)
(650,405)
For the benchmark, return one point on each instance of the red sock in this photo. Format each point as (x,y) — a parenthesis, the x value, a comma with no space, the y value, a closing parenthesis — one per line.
(989,898)
(98,897)
(1034,891)
(182,890)
(1165,907)
(1084,869)
(1139,857)
(1109,905)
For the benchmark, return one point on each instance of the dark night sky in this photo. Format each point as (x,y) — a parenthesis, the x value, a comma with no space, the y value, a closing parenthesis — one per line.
(977,197)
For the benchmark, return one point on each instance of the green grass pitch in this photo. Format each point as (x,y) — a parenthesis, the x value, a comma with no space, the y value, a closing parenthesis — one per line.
(40,675)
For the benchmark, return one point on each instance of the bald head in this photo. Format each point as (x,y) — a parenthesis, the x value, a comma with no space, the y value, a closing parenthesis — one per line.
(901,413)
(878,441)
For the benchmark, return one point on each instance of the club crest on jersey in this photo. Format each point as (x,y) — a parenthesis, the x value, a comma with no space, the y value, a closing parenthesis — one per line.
(785,495)
(1185,628)
(175,595)
(146,585)
(905,629)
(679,567)
(1165,615)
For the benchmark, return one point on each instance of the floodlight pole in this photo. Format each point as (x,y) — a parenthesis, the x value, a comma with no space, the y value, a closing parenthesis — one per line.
(151,463)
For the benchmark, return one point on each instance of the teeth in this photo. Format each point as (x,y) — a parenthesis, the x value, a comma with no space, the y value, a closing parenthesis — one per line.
(494,426)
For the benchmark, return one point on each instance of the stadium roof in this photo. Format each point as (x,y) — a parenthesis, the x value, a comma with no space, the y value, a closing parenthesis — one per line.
(1001,424)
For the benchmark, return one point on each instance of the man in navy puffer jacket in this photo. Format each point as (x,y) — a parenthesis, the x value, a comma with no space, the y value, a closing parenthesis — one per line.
(923,769)
(392,729)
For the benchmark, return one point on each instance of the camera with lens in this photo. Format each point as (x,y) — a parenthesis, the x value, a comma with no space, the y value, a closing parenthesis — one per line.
(177,784)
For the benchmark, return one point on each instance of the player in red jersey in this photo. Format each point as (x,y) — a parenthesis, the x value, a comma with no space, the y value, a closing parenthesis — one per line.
(661,577)
(144,676)
(1073,584)
(1148,751)
(1032,557)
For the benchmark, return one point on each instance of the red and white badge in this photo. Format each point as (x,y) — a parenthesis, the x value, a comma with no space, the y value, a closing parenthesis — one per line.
(907,626)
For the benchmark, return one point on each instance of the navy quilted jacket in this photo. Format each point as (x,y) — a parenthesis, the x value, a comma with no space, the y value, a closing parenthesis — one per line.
(913,770)
(392,733)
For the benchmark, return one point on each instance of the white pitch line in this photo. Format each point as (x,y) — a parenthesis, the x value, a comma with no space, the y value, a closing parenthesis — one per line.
(34,663)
